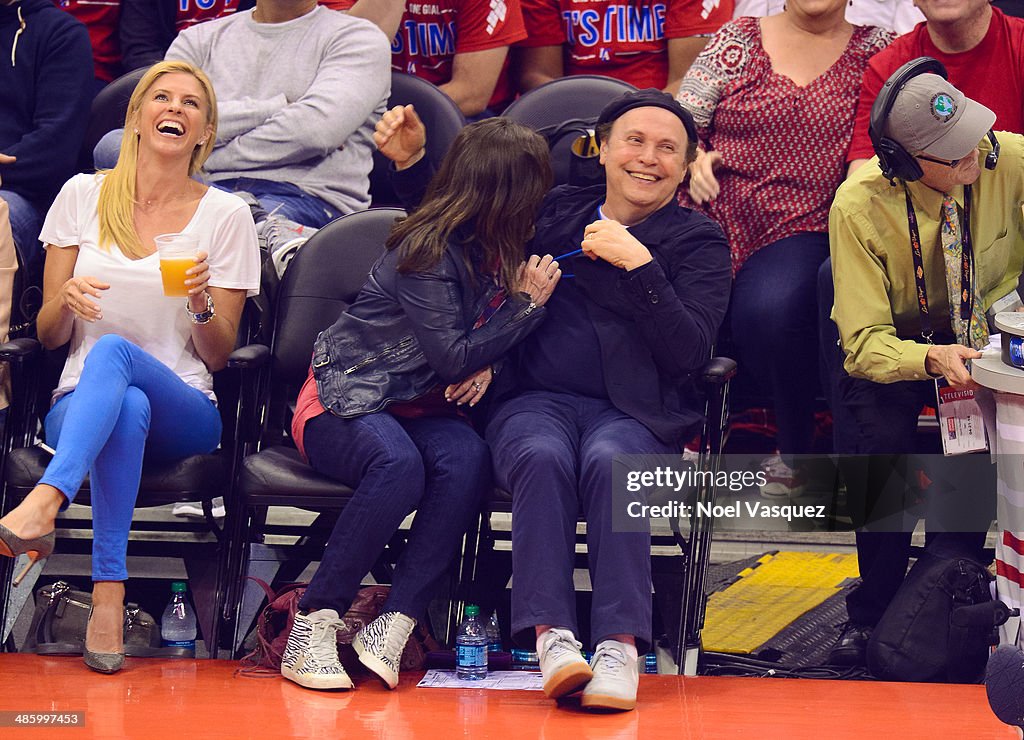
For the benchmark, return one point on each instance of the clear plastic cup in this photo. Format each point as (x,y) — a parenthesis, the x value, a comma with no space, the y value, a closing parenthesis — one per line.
(177,254)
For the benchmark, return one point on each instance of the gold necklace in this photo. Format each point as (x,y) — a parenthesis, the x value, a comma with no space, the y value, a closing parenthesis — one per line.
(149,203)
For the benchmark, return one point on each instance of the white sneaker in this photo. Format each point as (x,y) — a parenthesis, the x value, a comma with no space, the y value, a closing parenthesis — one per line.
(379,644)
(195,508)
(311,655)
(781,481)
(281,238)
(616,677)
(561,663)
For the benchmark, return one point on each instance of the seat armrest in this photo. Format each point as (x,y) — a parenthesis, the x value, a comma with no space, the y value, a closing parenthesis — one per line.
(718,371)
(249,357)
(18,350)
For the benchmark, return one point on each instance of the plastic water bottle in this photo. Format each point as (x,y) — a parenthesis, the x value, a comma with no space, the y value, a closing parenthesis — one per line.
(471,646)
(178,626)
(493,634)
(525,660)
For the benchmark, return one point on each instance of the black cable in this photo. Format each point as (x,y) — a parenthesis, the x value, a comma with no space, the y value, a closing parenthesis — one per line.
(726,664)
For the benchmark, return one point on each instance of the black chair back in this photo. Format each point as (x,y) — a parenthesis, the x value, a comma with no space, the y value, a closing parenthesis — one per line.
(107,113)
(323,279)
(578,97)
(440,115)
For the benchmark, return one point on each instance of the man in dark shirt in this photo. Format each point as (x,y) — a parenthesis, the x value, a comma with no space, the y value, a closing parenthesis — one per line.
(633,315)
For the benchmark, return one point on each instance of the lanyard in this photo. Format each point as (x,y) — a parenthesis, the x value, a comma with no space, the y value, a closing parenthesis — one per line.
(966,287)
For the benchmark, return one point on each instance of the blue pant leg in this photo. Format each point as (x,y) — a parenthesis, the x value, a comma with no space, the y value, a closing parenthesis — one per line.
(127,405)
(844,430)
(107,150)
(374,455)
(457,465)
(535,446)
(286,199)
(26,223)
(620,562)
(188,421)
(114,487)
(774,317)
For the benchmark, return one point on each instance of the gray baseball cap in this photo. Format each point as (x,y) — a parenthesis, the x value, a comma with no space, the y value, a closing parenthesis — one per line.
(933,117)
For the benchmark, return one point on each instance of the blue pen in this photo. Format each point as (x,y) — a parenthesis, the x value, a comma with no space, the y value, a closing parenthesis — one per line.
(567,255)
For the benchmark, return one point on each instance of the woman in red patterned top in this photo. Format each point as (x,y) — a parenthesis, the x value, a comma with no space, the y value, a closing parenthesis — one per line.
(774,100)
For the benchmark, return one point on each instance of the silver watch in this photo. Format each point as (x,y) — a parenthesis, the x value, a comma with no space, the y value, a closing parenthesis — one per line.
(203,317)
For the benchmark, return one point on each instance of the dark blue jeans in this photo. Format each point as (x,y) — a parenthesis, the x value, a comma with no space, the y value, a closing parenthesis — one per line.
(438,467)
(288,200)
(554,452)
(26,223)
(774,317)
(844,435)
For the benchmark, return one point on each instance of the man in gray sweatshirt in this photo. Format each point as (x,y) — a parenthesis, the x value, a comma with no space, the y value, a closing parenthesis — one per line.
(299,89)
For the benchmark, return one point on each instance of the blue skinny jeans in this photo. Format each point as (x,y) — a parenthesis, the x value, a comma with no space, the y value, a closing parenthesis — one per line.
(128,406)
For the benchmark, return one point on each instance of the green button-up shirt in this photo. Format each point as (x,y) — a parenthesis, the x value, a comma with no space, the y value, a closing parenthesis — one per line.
(876,306)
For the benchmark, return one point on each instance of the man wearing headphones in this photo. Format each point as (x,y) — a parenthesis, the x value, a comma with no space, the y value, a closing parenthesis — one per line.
(923,241)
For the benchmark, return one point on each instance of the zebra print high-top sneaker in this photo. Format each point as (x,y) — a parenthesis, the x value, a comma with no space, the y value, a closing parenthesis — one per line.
(379,644)
(311,655)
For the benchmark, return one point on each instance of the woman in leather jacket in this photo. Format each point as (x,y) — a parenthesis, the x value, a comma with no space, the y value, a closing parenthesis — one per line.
(383,408)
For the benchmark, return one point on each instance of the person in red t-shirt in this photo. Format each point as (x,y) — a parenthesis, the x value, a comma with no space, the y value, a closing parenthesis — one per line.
(647,43)
(982,50)
(459,45)
(100,18)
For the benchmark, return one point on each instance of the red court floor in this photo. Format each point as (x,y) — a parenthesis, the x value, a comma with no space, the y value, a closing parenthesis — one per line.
(191,700)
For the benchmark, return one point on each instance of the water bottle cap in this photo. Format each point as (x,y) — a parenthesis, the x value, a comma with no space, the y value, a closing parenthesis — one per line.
(472,610)
(178,587)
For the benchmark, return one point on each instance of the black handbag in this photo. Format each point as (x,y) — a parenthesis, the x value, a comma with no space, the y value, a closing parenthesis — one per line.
(62,615)
(939,626)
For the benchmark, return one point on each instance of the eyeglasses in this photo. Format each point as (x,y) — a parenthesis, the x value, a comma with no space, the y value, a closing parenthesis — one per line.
(945,162)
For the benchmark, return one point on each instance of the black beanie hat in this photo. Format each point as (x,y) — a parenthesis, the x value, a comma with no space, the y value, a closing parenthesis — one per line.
(649,98)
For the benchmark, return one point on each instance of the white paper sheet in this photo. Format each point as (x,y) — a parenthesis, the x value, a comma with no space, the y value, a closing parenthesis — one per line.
(496,680)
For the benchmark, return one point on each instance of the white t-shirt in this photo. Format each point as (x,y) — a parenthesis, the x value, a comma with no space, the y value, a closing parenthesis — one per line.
(135,306)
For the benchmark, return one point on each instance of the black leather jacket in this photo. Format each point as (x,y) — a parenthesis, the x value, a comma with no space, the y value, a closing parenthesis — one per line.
(405,333)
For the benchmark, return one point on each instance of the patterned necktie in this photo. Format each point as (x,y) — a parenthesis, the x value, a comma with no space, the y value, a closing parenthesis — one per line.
(976,334)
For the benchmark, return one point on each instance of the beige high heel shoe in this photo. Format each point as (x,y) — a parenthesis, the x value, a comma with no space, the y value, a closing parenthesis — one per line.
(102,662)
(37,549)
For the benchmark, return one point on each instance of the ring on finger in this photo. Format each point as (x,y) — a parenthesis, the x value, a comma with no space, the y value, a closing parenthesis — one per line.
(478,386)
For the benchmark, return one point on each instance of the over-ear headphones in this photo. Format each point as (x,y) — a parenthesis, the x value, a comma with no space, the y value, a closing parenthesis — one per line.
(895,161)
(992,158)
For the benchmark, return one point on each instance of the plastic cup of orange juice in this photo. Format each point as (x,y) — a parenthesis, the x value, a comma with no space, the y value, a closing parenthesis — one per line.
(177,254)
